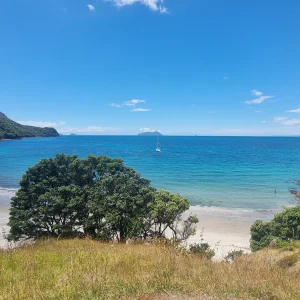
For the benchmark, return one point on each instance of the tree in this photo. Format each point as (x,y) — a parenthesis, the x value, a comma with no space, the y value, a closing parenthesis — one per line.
(118,206)
(98,197)
(165,214)
(284,226)
(54,194)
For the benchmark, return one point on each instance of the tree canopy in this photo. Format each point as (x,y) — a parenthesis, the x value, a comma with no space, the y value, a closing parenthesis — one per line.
(98,197)
(284,226)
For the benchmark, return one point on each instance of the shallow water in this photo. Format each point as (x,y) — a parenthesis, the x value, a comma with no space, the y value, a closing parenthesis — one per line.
(228,172)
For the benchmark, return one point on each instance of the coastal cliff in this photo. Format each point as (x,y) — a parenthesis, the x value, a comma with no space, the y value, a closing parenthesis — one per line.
(10,129)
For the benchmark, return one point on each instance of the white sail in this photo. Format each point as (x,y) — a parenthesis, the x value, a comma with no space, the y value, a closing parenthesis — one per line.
(158,146)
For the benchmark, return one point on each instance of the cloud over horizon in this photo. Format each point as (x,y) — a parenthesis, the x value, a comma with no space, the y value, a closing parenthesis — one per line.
(87,130)
(146,129)
(41,123)
(286,121)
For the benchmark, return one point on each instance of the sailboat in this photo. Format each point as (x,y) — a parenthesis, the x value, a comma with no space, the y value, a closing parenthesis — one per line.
(158,146)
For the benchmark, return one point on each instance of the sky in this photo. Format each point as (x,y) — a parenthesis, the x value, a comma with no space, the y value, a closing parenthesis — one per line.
(121,67)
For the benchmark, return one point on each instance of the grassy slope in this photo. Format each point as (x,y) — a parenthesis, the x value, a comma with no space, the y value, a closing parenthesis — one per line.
(12,130)
(84,269)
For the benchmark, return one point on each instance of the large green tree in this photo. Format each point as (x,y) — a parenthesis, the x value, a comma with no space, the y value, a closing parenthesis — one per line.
(96,196)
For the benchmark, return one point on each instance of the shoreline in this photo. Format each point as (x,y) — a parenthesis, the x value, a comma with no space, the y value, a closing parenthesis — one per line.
(223,229)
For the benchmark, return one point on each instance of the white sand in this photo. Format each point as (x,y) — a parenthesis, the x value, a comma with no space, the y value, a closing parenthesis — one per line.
(4,214)
(223,229)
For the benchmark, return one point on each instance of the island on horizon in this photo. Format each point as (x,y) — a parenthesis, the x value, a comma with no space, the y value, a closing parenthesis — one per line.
(150,133)
(12,130)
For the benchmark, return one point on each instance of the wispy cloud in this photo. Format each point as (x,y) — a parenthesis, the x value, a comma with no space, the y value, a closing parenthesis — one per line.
(91,7)
(87,130)
(294,111)
(155,5)
(286,121)
(115,105)
(260,99)
(139,109)
(146,129)
(41,123)
(134,102)
(256,93)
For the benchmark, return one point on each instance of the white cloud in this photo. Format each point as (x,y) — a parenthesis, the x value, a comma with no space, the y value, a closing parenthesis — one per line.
(286,121)
(87,130)
(257,111)
(141,109)
(260,98)
(91,7)
(145,129)
(133,102)
(155,5)
(294,111)
(256,93)
(41,123)
(115,105)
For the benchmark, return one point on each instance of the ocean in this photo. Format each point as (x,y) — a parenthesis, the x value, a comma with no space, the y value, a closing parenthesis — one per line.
(227,172)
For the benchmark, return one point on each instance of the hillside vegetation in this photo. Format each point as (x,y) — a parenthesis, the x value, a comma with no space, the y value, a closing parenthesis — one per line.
(87,269)
(13,130)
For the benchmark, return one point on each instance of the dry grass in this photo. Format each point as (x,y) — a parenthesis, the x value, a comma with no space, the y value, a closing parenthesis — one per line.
(85,269)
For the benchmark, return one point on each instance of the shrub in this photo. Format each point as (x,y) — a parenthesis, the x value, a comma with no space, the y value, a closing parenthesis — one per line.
(284,226)
(203,250)
(232,255)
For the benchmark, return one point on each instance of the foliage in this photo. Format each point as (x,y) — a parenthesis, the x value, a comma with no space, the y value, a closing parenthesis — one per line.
(12,130)
(233,255)
(165,211)
(98,197)
(202,250)
(284,226)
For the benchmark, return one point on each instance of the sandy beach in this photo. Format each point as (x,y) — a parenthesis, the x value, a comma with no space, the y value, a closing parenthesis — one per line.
(4,214)
(223,229)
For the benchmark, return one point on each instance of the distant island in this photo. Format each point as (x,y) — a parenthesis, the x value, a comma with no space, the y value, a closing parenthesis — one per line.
(73,134)
(151,133)
(10,129)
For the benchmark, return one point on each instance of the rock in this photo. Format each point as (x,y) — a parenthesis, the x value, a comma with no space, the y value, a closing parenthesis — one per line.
(272,244)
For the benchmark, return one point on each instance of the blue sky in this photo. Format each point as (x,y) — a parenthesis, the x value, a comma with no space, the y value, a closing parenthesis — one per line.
(184,67)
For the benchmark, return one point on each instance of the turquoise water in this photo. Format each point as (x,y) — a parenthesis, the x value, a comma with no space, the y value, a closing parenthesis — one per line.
(229,172)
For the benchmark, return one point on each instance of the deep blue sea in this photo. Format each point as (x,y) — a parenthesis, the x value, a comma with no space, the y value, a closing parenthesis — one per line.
(229,172)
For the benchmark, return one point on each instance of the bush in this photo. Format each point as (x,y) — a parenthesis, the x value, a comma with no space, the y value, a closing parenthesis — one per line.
(203,250)
(232,255)
(285,226)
